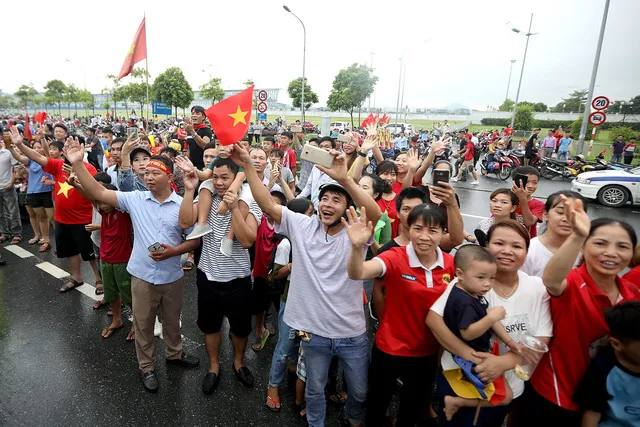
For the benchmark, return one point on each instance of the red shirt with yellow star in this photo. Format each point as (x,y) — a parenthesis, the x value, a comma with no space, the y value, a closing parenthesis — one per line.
(71,206)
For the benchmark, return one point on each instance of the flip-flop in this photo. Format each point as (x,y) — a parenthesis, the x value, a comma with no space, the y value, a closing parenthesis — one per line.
(33,241)
(338,398)
(259,345)
(99,288)
(16,240)
(188,266)
(131,336)
(271,404)
(3,239)
(99,304)
(45,247)
(110,331)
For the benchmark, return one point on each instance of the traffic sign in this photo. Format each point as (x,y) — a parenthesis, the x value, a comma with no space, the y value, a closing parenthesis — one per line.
(597,118)
(263,95)
(262,117)
(600,103)
(262,107)
(160,108)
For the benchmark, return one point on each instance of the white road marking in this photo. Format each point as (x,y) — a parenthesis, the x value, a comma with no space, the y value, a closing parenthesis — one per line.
(18,251)
(56,272)
(89,291)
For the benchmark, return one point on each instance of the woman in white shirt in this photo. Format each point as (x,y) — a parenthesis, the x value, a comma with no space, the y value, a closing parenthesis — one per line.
(559,229)
(527,305)
(502,205)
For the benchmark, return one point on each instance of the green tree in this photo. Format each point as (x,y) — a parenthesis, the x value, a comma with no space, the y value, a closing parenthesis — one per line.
(575,102)
(173,88)
(576,125)
(136,92)
(213,90)
(26,94)
(84,97)
(115,92)
(54,93)
(71,96)
(540,107)
(295,93)
(248,82)
(351,87)
(507,105)
(5,101)
(615,107)
(524,118)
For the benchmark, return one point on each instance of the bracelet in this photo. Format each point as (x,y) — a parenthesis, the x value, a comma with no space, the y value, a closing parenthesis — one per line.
(360,153)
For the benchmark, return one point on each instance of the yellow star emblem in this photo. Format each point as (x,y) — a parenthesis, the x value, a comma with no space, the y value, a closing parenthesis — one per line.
(386,212)
(64,189)
(239,117)
(131,49)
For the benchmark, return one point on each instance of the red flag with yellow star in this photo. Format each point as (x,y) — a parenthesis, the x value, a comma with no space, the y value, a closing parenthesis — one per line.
(137,51)
(230,117)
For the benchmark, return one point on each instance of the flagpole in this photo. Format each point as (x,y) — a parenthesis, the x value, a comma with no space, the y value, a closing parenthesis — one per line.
(146,62)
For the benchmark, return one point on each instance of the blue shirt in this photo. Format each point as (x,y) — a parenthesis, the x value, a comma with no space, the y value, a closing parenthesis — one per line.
(128,181)
(400,143)
(153,222)
(564,145)
(35,184)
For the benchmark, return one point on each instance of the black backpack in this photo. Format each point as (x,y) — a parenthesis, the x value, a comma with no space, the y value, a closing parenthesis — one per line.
(277,284)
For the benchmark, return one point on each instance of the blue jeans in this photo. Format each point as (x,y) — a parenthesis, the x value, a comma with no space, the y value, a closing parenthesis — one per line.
(616,158)
(286,337)
(562,155)
(354,353)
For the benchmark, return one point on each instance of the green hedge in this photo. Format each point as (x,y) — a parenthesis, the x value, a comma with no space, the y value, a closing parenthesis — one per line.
(548,124)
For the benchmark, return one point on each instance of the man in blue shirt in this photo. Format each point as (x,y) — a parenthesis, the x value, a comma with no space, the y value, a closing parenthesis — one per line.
(618,148)
(400,143)
(157,276)
(564,146)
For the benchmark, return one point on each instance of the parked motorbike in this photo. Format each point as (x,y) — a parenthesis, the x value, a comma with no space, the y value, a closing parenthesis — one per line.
(551,168)
(501,165)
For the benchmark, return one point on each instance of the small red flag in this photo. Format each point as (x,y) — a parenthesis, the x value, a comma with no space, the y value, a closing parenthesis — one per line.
(27,128)
(137,51)
(230,117)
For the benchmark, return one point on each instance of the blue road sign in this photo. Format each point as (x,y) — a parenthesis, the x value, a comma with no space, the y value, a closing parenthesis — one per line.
(262,117)
(160,108)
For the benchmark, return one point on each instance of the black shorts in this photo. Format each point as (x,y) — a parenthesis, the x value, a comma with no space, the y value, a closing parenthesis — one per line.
(219,299)
(263,295)
(74,239)
(40,200)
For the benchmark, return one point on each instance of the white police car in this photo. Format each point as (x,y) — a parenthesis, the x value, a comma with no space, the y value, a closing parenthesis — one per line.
(613,188)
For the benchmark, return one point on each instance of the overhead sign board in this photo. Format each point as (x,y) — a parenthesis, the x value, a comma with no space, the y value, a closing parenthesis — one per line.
(160,108)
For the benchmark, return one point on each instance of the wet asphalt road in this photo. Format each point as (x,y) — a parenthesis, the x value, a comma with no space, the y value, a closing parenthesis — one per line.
(56,370)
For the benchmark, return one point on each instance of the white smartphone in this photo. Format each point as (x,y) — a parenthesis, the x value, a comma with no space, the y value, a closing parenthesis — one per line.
(344,138)
(155,247)
(317,156)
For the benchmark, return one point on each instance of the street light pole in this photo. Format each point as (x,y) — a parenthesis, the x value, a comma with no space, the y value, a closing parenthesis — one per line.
(509,82)
(526,47)
(398,101)
(374,89)
(304,55)
(594,73)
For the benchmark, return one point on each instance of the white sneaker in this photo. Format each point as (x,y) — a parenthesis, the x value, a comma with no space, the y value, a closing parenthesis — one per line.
(476,182)
(199,231)
(157,328)
(454,179)
(226,247)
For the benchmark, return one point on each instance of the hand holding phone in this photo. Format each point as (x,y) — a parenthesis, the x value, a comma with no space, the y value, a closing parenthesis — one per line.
(317,156)
(156,247)
(521,180)
(441,175)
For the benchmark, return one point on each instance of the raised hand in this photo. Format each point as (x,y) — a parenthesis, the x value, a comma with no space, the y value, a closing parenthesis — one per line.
(185,164)
(132,142)
(445,192)
(190,179)
(16,138)
(370,141)
(231,199)
(358,229)
(338,169)
(372,129)
(73,151)
(73,180)
(574,209)
(413,160)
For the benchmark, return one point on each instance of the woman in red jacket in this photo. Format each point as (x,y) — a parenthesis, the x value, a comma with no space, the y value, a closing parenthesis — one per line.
(578,299)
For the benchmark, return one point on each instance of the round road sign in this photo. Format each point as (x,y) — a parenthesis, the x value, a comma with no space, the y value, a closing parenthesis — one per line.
(600,103)
(597,118)
(262,95)
(262,107)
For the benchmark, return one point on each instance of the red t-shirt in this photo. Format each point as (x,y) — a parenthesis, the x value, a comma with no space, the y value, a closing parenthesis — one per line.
(579,329)
(71,206)
(468,155)
(389,207)
(411,290)
(633,276)
(265,245)
(289,160)
(508,131)
(397,187)
(116,237)
(537,208)
(558,137)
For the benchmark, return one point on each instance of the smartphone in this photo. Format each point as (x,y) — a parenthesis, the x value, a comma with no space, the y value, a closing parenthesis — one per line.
(521,180)
(440,175)
(344,138)
(132,130)
(296,129)
(317,156)
(155,247)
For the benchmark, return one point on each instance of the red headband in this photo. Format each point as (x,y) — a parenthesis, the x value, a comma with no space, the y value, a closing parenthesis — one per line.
(159,165)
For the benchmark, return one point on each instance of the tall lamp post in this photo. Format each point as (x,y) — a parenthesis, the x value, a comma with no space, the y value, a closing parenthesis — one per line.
(304,54)
(526,47)
(509,82)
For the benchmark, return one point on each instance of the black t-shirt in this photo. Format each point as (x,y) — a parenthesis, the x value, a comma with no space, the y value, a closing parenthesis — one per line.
(389,245)
(196,153)
(461,311)
(531,143)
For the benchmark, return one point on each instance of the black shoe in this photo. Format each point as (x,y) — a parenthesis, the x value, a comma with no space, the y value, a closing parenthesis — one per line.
(185,362)
(244,376)
(210,383)
(150,381)
(2,261)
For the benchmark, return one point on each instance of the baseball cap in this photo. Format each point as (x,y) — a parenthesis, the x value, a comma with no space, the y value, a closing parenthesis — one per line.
(138,150)
(334,186)
(197,109)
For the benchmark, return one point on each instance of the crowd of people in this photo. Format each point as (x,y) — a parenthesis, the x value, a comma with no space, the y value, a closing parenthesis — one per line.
(375,241)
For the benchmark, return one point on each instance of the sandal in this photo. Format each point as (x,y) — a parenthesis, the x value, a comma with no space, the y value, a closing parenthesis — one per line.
(99,288)
(188,266)
(273,404)
(108,331)
(41,241)
(45,247)
(74,284)
(131,336)
(3,239)
(338,398)
(99,304)
(16,240)
(259,344)
(34,240)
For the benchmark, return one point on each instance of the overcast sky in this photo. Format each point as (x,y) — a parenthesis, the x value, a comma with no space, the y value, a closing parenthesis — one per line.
(455,51)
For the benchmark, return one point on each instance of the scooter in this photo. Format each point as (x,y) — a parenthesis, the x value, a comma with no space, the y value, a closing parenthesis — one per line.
(501,165)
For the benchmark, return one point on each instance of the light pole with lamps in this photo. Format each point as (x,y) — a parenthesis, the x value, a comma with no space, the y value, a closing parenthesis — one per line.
(526,47)
(304,54)
(398,101)
(509,81)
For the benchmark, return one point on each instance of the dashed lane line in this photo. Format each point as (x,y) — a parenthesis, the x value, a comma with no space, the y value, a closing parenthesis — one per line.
(18,251)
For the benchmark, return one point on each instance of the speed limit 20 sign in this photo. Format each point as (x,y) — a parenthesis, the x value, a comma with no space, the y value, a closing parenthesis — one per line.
(263,95)
(600,103)
(597,118)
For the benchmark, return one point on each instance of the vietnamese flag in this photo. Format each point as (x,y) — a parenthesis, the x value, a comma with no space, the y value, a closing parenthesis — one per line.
(27,128)
(137,51)
(230,117)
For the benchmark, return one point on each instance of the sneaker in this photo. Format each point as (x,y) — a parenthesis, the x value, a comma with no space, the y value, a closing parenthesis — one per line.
(476,182)
(157,329)
(226,247)
(454,179)
(199,231)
